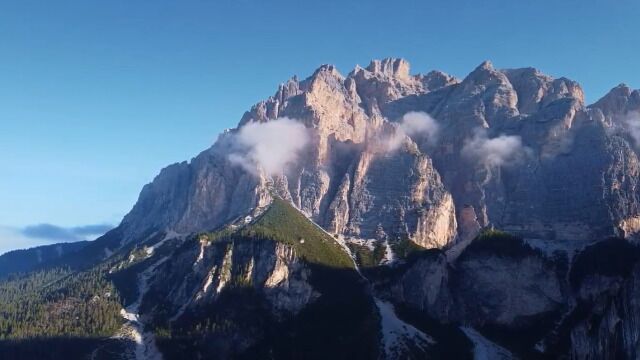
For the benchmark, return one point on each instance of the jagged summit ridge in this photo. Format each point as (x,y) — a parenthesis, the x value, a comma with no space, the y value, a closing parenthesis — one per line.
(422,189)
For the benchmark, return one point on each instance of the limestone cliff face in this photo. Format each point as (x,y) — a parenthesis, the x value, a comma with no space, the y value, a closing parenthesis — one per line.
(612,330)
(346,180)
(571,154)
(393,195)
(574,180)
(201,195)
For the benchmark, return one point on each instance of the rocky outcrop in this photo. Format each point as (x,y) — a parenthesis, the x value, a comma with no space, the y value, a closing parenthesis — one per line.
(201,270)
(536,90)
(618,103)
(251,289)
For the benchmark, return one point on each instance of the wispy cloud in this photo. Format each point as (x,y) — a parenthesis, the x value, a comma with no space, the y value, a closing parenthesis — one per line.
(494,152)
(632,122)
(413,124)
(58,233)
(269,146)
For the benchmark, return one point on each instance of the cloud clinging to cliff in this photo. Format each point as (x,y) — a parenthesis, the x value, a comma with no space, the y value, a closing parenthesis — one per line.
(493,152)
(270,146)
(412,124)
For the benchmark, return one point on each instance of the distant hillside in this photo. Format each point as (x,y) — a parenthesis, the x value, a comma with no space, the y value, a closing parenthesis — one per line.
(29,259)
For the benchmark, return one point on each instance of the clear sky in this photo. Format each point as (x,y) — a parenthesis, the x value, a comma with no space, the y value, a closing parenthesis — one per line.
(97,96)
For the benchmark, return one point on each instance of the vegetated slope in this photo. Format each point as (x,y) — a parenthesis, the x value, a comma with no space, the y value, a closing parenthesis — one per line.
(69,313)
(246,317)
(67,307)
(282,222)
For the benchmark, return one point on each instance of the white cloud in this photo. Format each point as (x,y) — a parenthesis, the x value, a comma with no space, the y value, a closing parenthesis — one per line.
(494,152)
(632,122)
(413,123)
(269,146)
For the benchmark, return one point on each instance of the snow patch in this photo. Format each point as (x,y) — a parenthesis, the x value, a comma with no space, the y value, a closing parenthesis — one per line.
(397,335)
(484,349)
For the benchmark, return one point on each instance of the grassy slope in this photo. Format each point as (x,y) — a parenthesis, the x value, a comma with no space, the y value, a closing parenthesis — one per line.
(281,222)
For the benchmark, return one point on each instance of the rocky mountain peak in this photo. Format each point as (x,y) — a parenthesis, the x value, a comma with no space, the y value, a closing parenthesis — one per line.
(327,70)
(621,90)
(435,80)
(618,102)
(288,89)
(343,184)
(485,65)
(385,81)
(537,90)
(484,74)
(390,67)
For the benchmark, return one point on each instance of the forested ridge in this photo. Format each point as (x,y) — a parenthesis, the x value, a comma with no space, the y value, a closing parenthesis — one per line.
(59,303)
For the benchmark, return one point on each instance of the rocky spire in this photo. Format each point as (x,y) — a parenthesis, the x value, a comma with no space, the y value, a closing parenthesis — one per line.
(391,67)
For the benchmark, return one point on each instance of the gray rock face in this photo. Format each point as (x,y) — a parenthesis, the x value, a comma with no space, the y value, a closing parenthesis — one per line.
(201,195)
(615,334)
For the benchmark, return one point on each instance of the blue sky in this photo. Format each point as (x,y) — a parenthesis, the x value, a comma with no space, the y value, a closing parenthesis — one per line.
(97,96)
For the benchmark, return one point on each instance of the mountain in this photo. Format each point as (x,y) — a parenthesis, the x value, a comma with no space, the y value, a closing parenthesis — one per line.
(379,214)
